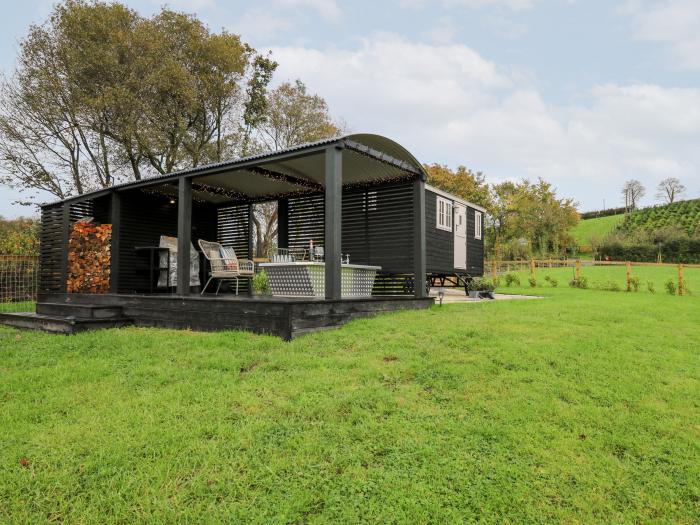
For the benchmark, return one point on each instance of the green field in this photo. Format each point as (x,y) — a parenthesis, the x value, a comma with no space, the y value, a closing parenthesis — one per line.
(682,214)
(594,228)
(581,407)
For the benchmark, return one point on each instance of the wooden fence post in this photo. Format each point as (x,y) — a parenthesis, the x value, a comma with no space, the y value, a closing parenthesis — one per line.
(532,268)
(578,269)
(629,276)
(680,279)
(494,271)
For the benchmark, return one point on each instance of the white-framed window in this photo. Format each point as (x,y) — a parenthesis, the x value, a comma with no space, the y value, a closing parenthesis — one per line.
(477,224)
(444,214)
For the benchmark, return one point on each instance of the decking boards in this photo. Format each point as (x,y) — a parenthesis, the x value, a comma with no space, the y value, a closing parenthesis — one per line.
(60,324)
(283,317)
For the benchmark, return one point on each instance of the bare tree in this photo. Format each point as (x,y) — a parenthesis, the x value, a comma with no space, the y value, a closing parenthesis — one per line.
(633,191)
(265,222)
(292,116)
(669,190)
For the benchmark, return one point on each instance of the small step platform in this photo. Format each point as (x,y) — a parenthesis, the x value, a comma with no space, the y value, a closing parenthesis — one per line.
(79,311)
(59,324)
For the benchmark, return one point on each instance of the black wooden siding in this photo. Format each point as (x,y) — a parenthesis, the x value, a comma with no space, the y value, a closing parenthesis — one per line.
(232,229)
(51,250)
(475,247)
(439,243)
(305,221)
(377,225)
(144,218)
(377,230)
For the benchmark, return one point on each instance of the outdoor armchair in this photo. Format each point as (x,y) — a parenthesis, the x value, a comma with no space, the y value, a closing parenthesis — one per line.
(224,264)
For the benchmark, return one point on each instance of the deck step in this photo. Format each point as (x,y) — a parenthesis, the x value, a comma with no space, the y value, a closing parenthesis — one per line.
(59,324)
(80,311)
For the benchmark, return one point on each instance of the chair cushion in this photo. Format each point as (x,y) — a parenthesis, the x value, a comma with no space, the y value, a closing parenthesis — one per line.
(228,254)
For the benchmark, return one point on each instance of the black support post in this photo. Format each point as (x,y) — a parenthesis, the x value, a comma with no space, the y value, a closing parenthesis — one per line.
(419,264)
(333,219)
(283,223)
(65,244)
(115,217)
(250,243)
(184,234)
(251,232)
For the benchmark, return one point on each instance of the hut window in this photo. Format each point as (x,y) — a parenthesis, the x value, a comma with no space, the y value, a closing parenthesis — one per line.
(444,214)
(477,225)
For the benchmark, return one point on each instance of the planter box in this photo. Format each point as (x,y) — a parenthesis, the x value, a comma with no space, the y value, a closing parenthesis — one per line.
(307,279)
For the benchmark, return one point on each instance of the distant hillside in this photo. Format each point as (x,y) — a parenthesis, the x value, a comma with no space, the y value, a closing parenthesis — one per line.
(684,214)
(588,229)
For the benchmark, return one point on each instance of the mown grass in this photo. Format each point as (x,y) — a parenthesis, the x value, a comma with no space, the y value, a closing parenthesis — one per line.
(582,407)
(18,306)
(598,228)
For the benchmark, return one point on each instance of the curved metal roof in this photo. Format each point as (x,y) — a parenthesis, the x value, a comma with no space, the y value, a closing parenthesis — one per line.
(377,147)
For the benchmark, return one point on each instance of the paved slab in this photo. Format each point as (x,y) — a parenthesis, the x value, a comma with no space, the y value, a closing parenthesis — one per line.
(453,295)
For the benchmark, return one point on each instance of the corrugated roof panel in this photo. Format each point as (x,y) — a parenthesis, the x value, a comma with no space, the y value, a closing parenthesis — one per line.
(311,167)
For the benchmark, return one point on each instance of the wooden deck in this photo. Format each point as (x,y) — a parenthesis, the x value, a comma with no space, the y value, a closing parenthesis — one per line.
(284,317)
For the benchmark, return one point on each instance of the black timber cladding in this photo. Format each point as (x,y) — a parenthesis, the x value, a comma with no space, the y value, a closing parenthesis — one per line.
(475,247)
(145,217)
(377,226)
(439,243)
(284,317)
(51,249)
(233,229)
(305,221)
(377,229)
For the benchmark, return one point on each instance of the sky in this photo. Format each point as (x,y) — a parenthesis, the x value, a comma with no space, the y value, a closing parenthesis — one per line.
(583,93)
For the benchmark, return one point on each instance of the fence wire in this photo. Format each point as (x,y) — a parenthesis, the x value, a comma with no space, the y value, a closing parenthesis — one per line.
(19,280)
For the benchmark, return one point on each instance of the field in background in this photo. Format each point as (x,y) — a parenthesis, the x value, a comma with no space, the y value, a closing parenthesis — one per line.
(598,228)
(578,408)
(598,276)
(682,214)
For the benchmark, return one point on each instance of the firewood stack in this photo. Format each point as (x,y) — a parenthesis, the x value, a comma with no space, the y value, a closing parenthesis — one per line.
(89,257)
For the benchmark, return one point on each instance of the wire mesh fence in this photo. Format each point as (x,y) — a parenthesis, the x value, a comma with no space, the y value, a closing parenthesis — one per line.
(19,279)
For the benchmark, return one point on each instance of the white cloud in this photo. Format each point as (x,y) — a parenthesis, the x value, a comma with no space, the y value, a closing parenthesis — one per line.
(674,22)
(326,8)
(448,104)
(515,5)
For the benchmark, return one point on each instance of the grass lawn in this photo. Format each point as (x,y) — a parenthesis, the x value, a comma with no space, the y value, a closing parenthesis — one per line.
(19,306)
(598,227)
(583,407)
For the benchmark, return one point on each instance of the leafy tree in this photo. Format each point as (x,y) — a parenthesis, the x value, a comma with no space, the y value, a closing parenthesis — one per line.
(527,217)
(19,236)
(292,116)
(632,191)
(102,94)
(462,182)
(522,216)
(670,189)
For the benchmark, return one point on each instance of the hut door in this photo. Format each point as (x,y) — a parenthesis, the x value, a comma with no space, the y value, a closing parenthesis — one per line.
(460,237)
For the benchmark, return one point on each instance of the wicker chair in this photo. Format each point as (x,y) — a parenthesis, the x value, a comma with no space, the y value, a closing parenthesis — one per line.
(225,266)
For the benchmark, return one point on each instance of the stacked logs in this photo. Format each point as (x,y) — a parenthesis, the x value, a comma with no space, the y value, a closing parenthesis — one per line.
(89,257)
